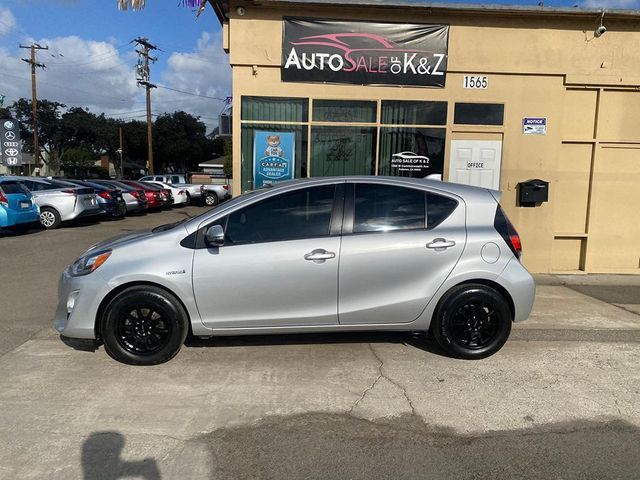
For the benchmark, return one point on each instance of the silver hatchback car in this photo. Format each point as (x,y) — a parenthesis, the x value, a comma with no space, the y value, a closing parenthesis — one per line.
(315,255)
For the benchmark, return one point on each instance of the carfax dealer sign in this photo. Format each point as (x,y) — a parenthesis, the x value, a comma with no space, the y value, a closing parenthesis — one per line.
(364,53)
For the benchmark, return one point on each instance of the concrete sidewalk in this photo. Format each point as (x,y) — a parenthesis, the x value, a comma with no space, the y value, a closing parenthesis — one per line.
(336,406)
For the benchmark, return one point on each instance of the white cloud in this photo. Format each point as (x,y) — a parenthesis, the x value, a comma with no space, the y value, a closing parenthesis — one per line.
(623,4)
(100,76)
(78,72)
(7,21)
(204,71)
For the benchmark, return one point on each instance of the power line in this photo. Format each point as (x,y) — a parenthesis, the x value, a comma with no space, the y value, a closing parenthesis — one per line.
(189,93)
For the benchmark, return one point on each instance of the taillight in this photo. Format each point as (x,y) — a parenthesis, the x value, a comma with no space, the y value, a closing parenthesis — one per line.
(70,191)
(226,187)
(508,232)
(105,195)
(3,199)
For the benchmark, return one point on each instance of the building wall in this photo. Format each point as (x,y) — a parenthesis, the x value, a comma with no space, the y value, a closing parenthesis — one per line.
(586,87)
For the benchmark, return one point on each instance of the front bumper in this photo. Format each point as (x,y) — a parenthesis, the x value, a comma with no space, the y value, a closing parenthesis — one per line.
(78,302)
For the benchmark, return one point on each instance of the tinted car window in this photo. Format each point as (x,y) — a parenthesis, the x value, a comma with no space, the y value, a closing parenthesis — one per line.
(380,208)
(175,179)
(438,209)
(13,187)
(302,213)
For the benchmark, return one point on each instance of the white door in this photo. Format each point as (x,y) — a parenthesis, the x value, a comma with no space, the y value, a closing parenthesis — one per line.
(476,162)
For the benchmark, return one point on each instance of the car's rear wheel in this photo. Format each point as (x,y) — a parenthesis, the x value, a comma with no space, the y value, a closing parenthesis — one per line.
(473,321)
(211,199)
(49,218)
(187,202)
(144,325)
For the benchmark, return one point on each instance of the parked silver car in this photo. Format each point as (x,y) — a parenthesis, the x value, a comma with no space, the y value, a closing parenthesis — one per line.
(60,202)
(316,255)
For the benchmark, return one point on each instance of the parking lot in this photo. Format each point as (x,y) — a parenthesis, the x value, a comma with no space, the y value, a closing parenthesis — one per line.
(560,400)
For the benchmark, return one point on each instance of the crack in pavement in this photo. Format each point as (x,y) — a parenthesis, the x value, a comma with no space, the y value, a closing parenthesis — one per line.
(381,374)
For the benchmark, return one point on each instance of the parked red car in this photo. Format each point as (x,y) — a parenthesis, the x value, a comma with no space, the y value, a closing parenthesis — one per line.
(155,199)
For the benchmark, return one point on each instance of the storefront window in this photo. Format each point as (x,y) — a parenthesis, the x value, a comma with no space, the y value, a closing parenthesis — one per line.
(401,112)
(344,111)
(478,114)
(275,109)
(342,151)
(294,151)
(411,152)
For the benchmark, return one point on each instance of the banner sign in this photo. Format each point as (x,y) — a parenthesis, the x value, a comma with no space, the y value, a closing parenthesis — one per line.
(364,53)
(273,157)
(10,145)
(534,126)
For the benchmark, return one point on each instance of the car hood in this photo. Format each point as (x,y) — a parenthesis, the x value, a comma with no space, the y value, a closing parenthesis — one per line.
(120,240)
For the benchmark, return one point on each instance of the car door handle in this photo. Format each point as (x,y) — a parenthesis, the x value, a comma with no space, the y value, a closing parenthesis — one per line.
(440,244)
(319,255)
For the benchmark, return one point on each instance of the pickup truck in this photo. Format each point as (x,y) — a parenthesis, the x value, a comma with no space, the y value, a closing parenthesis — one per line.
(212,195)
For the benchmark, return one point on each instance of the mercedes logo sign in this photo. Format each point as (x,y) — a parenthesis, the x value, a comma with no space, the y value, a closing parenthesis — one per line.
(10,135)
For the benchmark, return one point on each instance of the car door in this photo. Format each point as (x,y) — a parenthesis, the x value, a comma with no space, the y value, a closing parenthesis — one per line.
(399,245)
(278,265)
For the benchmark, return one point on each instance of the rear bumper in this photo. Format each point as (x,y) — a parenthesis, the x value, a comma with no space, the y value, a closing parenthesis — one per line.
(521,286)
(9,218)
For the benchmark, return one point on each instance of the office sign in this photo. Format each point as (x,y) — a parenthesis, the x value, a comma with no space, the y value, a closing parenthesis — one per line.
(10,145)
(273,157)
(534,126)
(364,53)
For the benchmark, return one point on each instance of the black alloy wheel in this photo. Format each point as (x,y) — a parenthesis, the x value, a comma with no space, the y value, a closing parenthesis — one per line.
(472,321)
(143,330)
(144,325)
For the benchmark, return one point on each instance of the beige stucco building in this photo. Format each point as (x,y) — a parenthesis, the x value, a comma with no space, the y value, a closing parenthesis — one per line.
(578,94)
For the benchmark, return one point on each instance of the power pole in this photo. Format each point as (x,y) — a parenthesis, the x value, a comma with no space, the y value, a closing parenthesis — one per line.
(34,100)
(120,170)
(143,76)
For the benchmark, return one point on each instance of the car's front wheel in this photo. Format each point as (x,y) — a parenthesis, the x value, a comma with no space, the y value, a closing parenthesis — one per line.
(144,325)
(473,321)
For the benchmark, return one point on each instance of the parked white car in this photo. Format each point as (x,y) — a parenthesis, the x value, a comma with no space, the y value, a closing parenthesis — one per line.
(179,193)
(59,202)
(194,191)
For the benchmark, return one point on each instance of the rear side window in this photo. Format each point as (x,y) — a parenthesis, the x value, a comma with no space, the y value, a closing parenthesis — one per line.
(159,179)
(439,208)
(382,208)
(13,187)
(175,179)
(304,213)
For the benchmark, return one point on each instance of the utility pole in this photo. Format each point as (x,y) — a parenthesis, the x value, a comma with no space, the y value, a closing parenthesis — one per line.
(120,169)
(34,100)
(143,76)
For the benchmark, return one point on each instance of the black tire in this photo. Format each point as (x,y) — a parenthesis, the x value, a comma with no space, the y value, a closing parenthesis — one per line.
(188,202)
(158,334)
(211,199)
(472,321)
(49,218)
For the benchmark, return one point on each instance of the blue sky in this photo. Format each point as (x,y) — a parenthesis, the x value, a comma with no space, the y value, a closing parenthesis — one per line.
(90,61)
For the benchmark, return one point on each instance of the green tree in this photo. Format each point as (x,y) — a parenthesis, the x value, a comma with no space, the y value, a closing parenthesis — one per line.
(180,142)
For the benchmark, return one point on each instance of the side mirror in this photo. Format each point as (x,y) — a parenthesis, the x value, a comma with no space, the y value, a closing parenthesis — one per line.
(214,236)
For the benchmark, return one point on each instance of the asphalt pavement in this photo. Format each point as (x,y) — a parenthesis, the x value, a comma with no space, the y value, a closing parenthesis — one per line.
(560,400)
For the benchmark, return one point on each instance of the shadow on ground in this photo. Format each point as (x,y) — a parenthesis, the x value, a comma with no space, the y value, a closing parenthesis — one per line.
(101,460)
(417,340)
(333,446)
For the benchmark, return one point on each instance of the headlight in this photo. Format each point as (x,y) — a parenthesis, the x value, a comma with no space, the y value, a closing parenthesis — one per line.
(88,263)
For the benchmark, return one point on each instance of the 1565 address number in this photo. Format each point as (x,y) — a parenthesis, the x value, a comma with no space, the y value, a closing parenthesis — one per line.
(476,81)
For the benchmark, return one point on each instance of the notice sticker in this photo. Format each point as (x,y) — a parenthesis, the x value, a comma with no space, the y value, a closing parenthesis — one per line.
(534,126)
